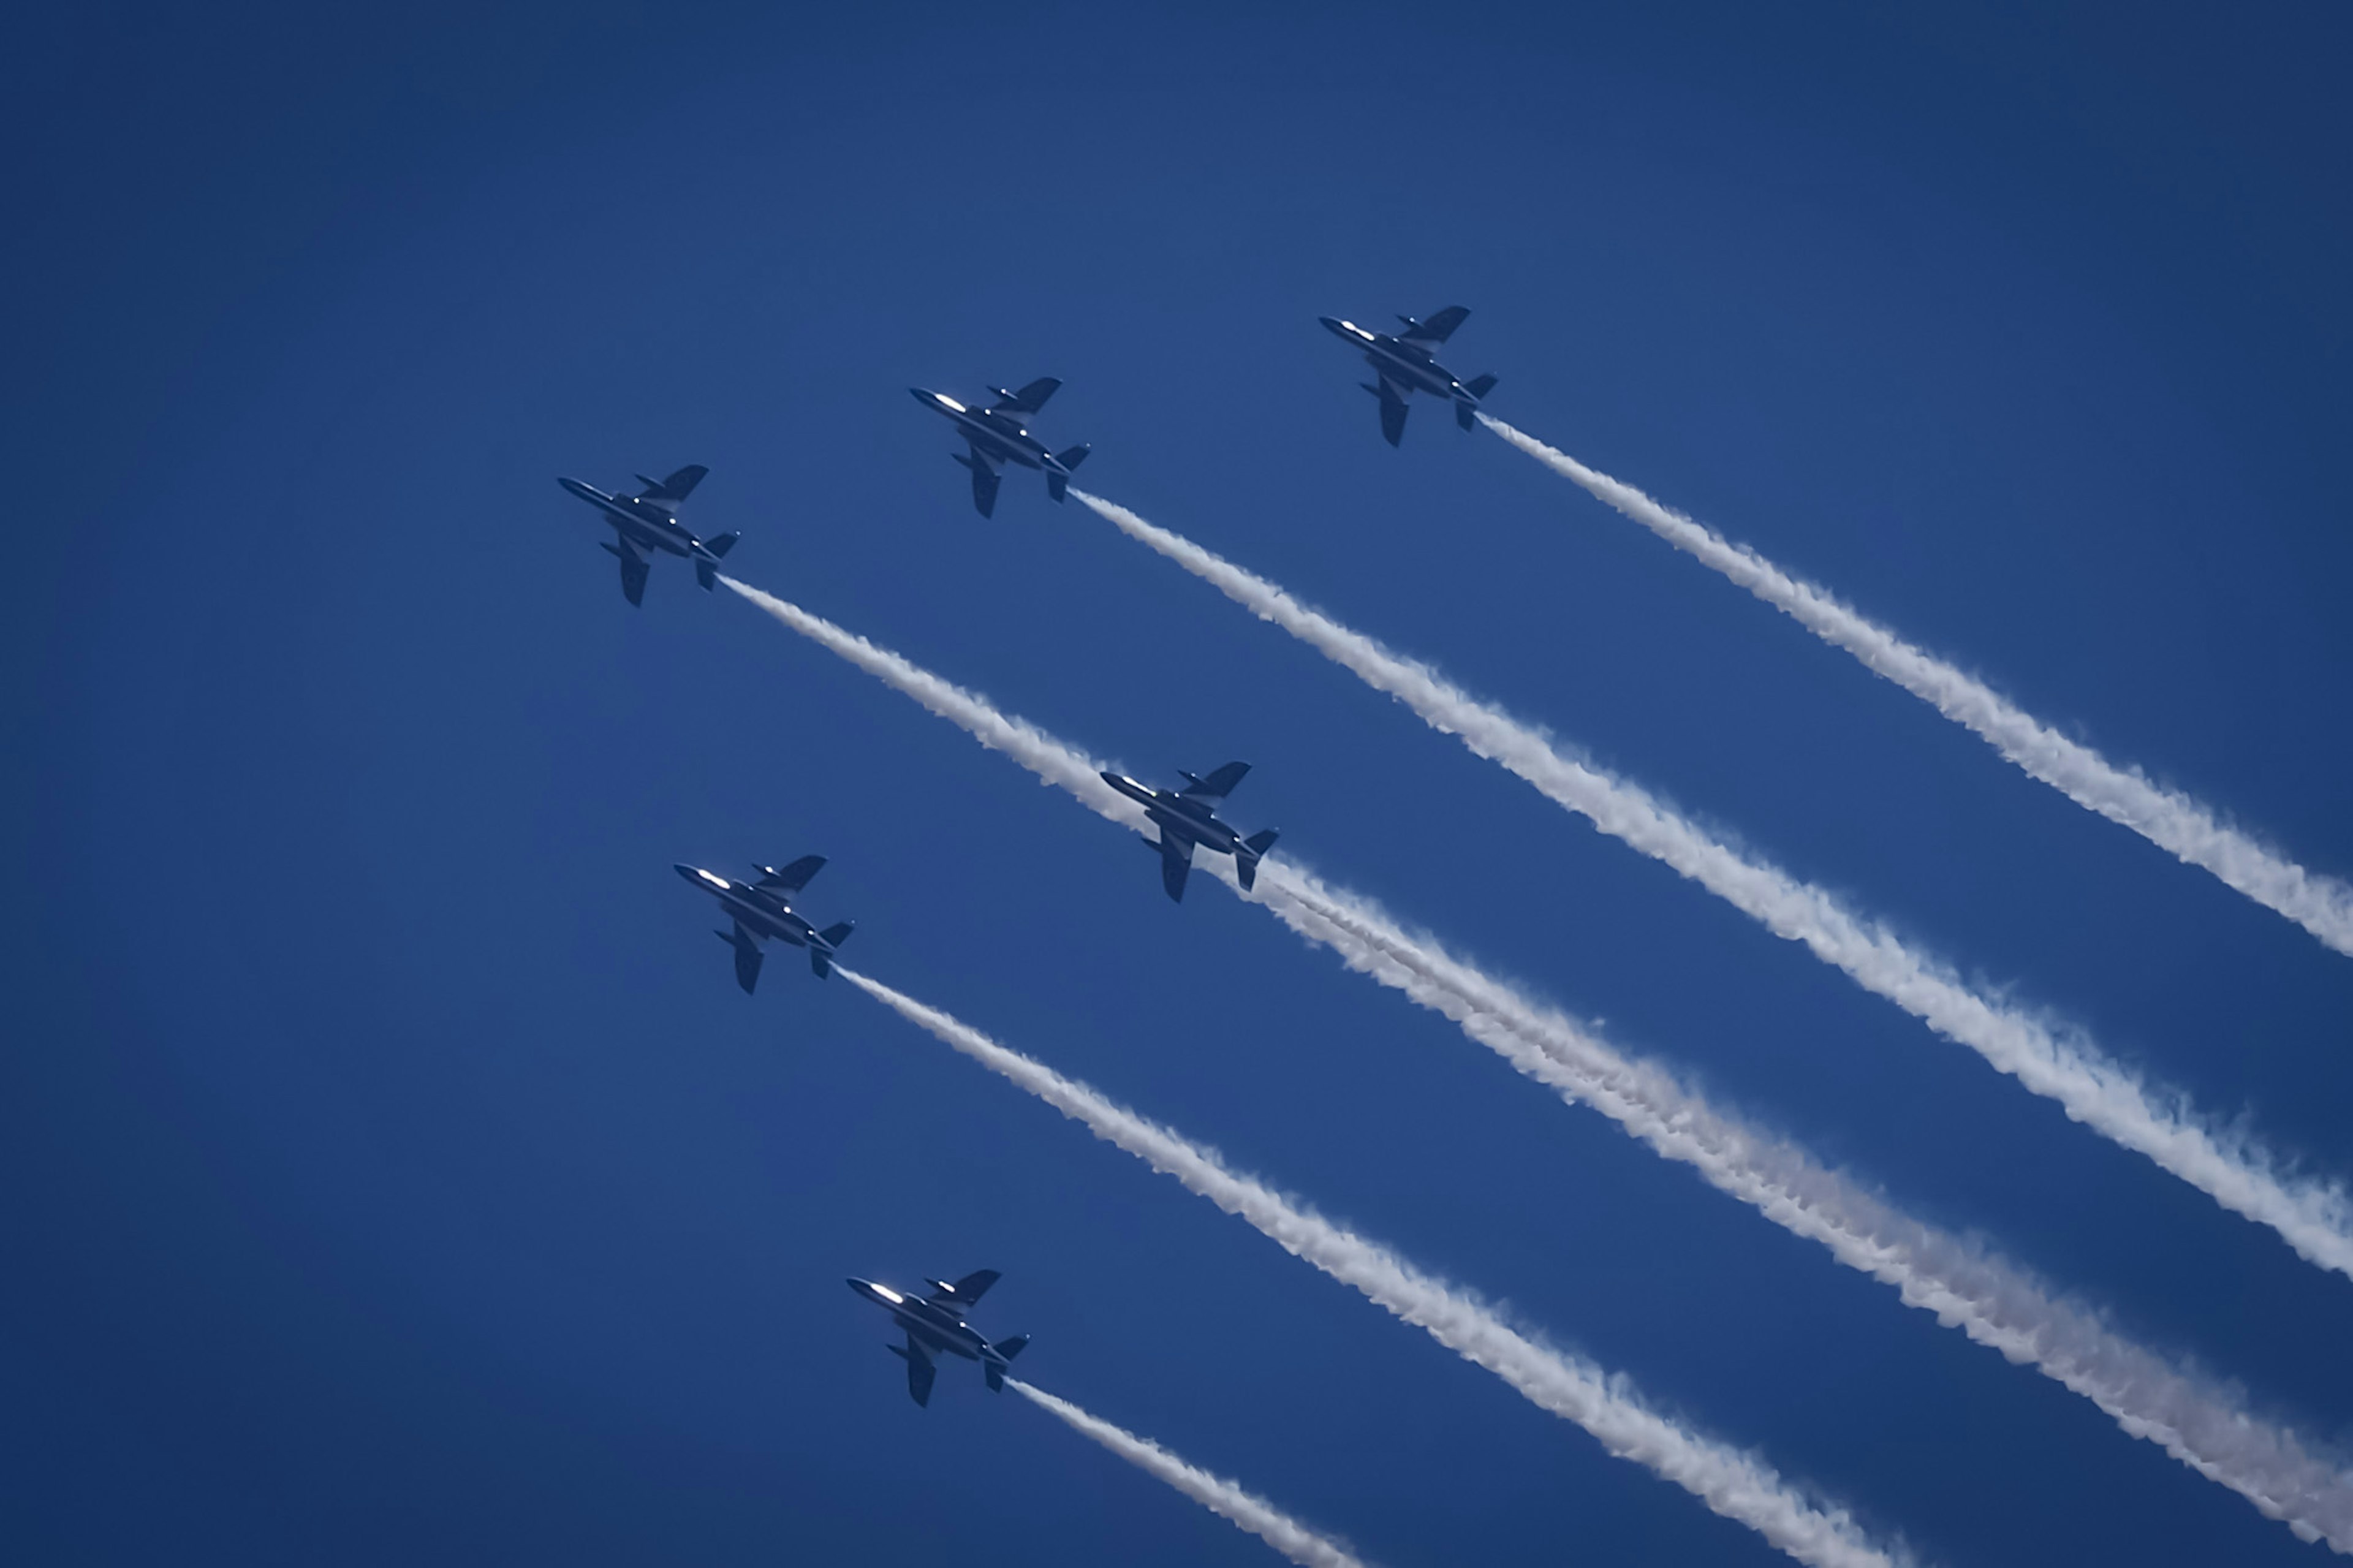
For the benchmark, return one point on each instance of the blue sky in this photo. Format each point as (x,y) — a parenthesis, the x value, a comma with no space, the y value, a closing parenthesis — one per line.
(396,1171)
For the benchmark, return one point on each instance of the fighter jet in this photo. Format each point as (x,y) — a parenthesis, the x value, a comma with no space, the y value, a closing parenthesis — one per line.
(1404,363)
(648,521)
(935,1325)
(999,434)
(763,910)
(1189,816)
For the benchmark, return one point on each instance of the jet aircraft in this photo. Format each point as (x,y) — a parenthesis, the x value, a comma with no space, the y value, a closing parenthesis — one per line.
(1404,362)
(1189,816)
(763,910)
(999,434)
(648,521)
(935,1326)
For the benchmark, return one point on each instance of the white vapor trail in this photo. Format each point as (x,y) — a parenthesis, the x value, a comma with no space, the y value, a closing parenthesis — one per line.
(2167,817)
(1964,1283)
(1738,1486)
(1221,1497)
(2314,1216)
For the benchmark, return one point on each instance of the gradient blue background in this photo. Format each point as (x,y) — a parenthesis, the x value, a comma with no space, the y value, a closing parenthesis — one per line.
(391,1172)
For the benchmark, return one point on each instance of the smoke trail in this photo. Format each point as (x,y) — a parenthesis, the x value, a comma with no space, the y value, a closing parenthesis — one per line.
(2314,1217)
(1221,1497)
(2165,817)
(1966,1286)
(1736,1485)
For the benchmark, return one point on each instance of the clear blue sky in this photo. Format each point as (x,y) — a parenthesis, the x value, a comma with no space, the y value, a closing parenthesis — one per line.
(394,1172)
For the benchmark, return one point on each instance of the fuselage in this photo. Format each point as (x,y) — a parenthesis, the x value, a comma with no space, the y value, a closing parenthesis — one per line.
(759,912)
(640,521)
(1192,820)
(1398,360)
(992,433)
(937,1326)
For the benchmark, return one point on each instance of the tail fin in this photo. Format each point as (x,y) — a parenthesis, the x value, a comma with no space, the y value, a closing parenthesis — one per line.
(1010,1348)
(705,572)
(1254,849)
(833,936)
(1057,485)
(1466,412)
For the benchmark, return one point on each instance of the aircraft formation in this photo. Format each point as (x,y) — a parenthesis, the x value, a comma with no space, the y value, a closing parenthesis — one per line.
(2205,1426)
(647,523)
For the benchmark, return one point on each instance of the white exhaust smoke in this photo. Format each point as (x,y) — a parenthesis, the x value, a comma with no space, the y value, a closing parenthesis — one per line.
(2060,1063)
(2167,818)
(1964,1283)
(1738,1486)
(1223,1498)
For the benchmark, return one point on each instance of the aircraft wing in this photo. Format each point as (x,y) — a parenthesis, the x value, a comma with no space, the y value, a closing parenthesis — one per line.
(1175,860)
(1218,785)
(792,879)
(670,492)
(1436,330)
(1029,400)
(920,1373)
(985,480)
(747,959)
(1392,398)
(634,570)
(968,1289)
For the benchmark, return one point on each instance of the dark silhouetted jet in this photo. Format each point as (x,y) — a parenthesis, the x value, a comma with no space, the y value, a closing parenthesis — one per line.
(999,434)
(648,521)
(1189,816)
(1404,364)
(935,1326)
(763,910)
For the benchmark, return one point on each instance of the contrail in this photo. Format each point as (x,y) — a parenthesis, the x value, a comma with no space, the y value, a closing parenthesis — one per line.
(1964,1283)
(1738,1486)
(1221,1497)
(2060,1063)
(2167,818)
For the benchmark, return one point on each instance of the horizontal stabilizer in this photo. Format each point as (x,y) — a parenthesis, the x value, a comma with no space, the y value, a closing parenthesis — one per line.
(1010,1348)
(723,543)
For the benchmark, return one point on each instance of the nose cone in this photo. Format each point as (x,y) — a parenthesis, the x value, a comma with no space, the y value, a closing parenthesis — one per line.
(691,873)
(861,1287)
(576,487)
(1338,327)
